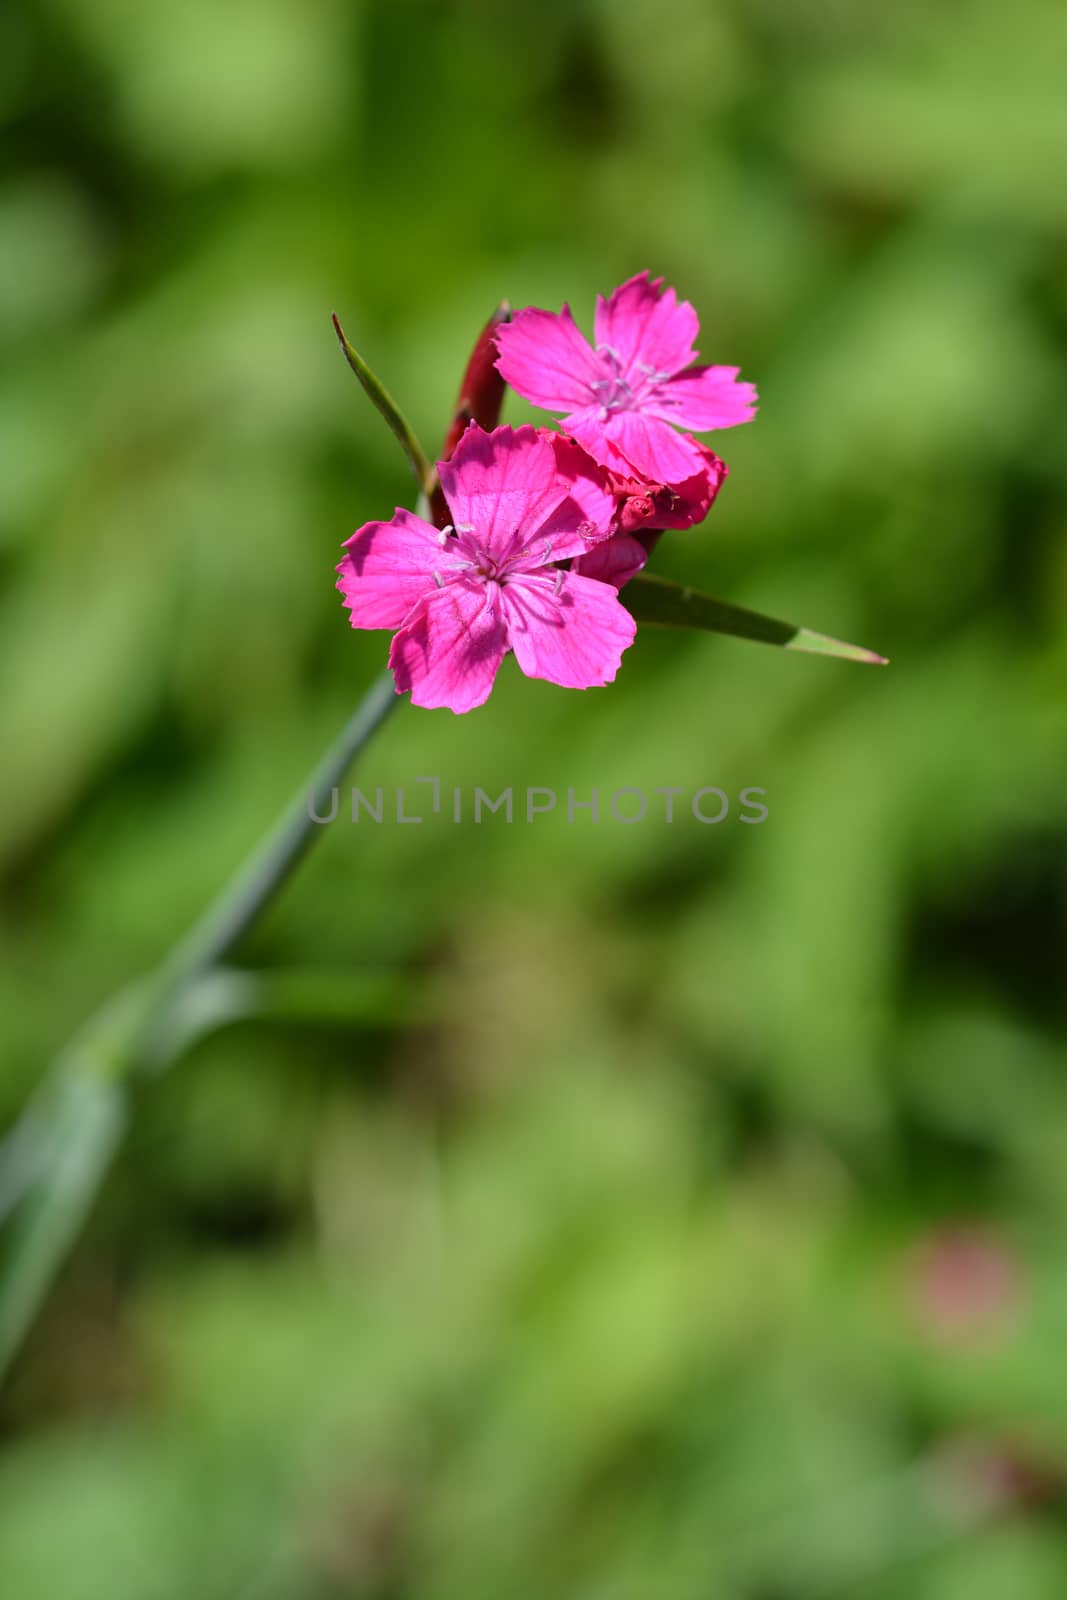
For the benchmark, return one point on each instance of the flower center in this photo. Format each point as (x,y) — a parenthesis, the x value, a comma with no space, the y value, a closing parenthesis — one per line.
(468,558)
(480,564)
(612,392)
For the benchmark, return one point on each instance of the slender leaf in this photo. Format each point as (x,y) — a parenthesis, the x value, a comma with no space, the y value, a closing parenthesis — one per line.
(55,1159)
(53,1162)
(379,396)
(664,604)
(76,1132)
(320,998)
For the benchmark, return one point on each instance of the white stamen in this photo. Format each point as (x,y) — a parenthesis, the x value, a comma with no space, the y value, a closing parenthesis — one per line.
(437,578)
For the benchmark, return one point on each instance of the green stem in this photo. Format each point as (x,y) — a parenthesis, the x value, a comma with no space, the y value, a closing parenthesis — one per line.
(70,1132)
(53,1162)
(268,868)
(60,1150)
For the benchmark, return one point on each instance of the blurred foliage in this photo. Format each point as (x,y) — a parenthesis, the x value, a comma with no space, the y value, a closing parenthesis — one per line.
(608,1254)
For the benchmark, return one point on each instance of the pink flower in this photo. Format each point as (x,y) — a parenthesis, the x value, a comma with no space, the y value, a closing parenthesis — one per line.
(460,599)
(622,399)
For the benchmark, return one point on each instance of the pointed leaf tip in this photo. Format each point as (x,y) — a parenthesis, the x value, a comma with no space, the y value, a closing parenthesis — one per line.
(659,602)
(384,403)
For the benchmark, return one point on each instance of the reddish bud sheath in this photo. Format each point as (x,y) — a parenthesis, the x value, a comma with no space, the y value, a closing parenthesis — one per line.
(481,396)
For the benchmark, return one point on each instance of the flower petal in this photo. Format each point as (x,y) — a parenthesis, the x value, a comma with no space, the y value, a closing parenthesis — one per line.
(648,330)
(547,359)
(587,515)
(703,398)
(448,651)
(503,486)
(387,568)
(588,426)
(652,448)
(615,561)
(574,638)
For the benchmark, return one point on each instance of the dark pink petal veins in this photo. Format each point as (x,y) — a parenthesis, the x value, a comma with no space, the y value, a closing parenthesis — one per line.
(703,398)
(653,448)
(502,487)
(651,333)
(448,651)
(547,359)
(570,630)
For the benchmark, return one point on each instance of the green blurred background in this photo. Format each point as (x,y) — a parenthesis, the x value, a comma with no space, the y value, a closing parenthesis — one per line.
(617,1213)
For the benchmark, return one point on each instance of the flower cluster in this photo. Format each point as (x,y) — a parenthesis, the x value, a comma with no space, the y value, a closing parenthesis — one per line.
(546,527)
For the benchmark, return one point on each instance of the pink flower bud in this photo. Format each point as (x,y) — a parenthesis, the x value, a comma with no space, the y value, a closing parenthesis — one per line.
(644,505)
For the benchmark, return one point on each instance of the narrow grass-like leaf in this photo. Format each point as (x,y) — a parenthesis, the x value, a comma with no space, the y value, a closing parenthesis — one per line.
(80,1123)
(55,1159)
(315,998)
(664,604)
(383,401)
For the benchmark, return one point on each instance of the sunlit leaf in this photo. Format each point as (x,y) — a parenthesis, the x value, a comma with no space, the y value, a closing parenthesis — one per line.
(661,603)
(380,398)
